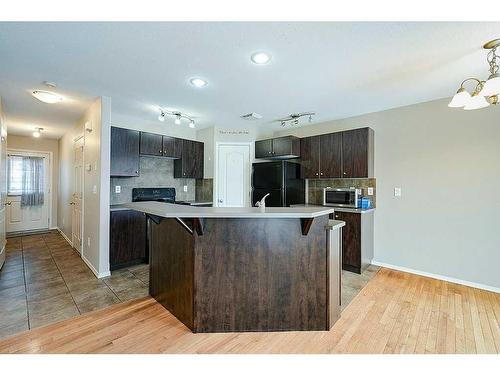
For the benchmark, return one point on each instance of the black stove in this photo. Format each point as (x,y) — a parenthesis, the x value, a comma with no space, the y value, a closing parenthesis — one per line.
(166,195)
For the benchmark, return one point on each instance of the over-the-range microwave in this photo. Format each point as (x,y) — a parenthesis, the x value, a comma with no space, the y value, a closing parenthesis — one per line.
(343,197)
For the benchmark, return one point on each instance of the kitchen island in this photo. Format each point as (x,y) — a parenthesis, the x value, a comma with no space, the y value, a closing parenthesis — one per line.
(244,269)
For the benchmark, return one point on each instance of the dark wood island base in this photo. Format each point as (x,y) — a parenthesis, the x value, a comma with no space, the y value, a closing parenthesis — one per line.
(245,274)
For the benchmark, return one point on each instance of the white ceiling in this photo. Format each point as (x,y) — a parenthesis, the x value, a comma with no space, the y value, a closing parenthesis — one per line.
(337,69)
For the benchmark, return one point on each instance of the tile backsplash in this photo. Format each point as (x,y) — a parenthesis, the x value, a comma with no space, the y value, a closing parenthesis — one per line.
(315,188)
(153,172)
(204,190)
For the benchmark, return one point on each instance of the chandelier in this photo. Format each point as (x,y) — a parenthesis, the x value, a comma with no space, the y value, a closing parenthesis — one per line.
(484,92)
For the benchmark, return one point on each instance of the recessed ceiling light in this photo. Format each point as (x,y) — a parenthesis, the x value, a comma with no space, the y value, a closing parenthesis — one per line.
(198,82)
(47,96)
(37,132)
(260,58)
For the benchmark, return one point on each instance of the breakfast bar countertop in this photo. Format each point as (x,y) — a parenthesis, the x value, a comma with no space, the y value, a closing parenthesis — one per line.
(169,210)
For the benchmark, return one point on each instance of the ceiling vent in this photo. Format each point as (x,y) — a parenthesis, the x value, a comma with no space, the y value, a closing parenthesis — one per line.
(251,116)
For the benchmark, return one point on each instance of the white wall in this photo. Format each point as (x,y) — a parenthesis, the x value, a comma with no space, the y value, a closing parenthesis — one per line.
(447,162)
(42,145)
(96,184)
(206,136)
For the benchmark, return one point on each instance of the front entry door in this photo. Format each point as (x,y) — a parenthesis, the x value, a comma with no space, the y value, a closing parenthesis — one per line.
(76,202)
(27,218)
(233,175)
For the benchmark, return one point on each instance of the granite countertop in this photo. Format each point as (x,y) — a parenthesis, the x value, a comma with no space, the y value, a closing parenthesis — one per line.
(176,210)
(339,209)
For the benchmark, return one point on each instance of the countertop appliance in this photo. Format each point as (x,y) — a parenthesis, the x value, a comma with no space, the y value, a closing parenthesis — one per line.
(281,180)
(341,197)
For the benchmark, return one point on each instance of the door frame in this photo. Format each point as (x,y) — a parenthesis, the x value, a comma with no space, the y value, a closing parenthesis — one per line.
(216,171)
(76,139)
(50,155)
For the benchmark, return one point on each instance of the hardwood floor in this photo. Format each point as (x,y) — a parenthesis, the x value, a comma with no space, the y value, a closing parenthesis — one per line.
(395,313)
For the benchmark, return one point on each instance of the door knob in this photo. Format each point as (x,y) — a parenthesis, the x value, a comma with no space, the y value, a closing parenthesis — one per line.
(71,203)
(7,203)
(220,201)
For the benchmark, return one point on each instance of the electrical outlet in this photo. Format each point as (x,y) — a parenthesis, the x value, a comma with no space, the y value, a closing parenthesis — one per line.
(94,189)
(95,166)
(397,191)
(88,242)
(118,189)
(370,191)
(185,188)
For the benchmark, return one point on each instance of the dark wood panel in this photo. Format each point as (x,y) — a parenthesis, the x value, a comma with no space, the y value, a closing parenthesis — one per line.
(286,146)
(127,239)
(243,284)
(124,157)
(191,163)
(172,261)
(151,144)
(263,149)
(172,147)
(309,156)
(356,153)
(331,155)
(351,241)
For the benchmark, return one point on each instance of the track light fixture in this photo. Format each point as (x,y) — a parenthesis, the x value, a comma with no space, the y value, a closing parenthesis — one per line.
(293,119)
(37,132)
(178,117)
(484,92)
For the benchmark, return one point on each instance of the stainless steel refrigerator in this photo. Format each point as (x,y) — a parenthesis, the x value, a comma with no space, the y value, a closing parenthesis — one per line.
(281,179)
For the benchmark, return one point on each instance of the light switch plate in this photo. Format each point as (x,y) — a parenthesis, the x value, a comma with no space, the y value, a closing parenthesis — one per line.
(88,242)
(118,189)
(397,191)
(370,191)
(185,188)
(94,189)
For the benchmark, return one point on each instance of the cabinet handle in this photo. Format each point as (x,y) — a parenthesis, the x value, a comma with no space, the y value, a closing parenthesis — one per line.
(270,152)
(336,216)
(345,173)
(321,173)
(136,172)
(161,151)
(317,174)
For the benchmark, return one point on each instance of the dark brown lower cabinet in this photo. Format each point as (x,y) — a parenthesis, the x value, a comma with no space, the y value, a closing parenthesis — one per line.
(127,241)
(357,240)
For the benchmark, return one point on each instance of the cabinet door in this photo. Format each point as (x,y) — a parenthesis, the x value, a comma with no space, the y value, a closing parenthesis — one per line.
(309,156)
(331,155)
(172,147)
(355,153)
(151,144)
(124,152)
(264,149)
(286,146)
(351,241)
(191,163)
(127,239)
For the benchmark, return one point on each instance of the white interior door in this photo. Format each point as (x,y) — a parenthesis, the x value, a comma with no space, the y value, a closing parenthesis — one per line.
(28,218)
(77,197)
(233,175)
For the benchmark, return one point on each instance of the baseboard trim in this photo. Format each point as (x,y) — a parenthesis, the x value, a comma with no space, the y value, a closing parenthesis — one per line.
(64,236)
(99,275)
(438,277)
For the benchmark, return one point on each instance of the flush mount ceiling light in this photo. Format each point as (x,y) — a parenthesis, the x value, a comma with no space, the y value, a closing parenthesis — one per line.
(47,96)
(260,58)
(178,117)
(293,119)
(37,132)
(198,82)
(484,92)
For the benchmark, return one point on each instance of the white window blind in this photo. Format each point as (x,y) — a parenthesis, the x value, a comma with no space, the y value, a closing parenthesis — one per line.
(15,175)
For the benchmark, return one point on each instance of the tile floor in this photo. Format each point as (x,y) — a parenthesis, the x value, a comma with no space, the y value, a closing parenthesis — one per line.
(44,281)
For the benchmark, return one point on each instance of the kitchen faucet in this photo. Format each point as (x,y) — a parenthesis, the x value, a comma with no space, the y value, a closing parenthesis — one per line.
(262,202)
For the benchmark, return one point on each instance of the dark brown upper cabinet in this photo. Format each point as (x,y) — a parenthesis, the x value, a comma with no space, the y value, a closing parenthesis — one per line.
(124,152)
(287,147)
(190,165)
(172,147)
(357,153)
(309,157)
(151,144)
(347,154)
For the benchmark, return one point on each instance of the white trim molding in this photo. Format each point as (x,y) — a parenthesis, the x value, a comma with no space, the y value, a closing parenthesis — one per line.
(438,277)
(64,236)
(92,268)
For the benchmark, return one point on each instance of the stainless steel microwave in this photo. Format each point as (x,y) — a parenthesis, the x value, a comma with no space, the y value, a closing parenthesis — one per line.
(344,197)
